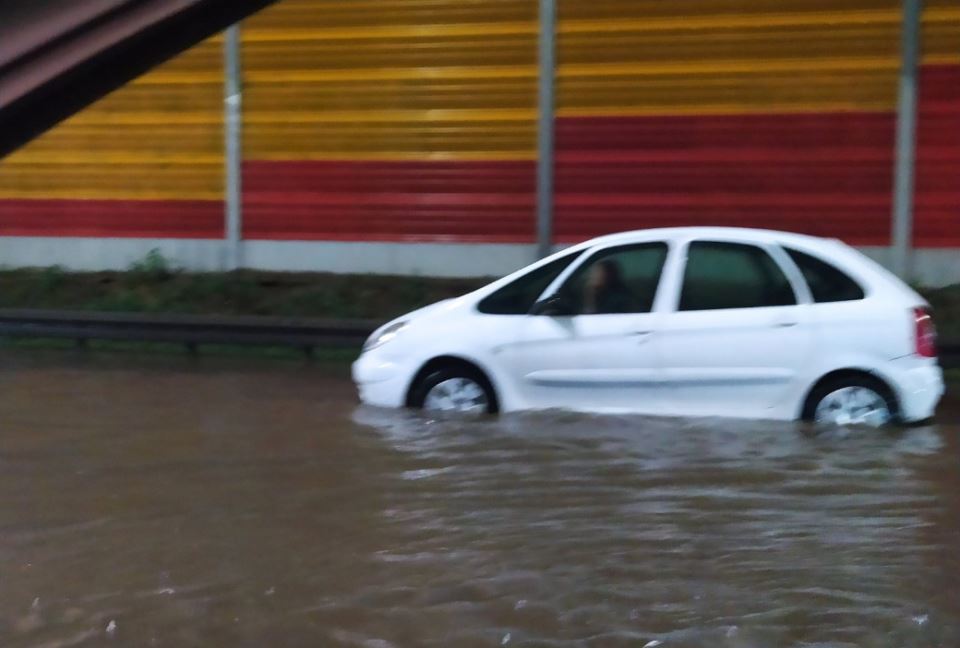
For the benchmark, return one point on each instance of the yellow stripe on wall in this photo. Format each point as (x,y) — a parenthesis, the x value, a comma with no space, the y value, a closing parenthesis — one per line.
(160,137)
(456,80)
(391,79)
(720,56)
(940,38)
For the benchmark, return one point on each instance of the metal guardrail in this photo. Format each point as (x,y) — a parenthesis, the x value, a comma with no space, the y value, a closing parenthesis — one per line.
(189,330)
(194,330)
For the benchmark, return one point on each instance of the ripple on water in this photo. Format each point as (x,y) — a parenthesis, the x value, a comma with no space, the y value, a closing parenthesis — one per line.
(654,529)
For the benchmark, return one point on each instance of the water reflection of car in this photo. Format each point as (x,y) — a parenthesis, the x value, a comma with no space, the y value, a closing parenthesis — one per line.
(684,321)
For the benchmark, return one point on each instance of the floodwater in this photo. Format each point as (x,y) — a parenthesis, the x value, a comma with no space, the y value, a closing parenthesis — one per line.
(162,501)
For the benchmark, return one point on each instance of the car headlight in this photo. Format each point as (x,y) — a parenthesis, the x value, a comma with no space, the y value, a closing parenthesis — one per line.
(384,335)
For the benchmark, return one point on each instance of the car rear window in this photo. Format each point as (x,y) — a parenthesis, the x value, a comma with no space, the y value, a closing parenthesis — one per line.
(721,275)
(827,283)
(518,296)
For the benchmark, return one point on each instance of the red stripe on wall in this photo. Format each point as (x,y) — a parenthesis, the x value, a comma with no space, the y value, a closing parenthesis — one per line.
(112,218)
(413,201)
(937,207)
(827,174)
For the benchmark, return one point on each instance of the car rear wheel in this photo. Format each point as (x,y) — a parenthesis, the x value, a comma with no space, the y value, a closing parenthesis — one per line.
(455,390)
(851,401)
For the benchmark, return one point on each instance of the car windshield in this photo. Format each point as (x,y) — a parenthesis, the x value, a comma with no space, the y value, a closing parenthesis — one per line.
(519,296)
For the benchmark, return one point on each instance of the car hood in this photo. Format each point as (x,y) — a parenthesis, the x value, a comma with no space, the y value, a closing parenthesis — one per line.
(431,310)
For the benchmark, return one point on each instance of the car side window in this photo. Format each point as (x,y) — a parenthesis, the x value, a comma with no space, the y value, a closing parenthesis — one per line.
(721,275)
(518,296)
(623,279)
(827,283)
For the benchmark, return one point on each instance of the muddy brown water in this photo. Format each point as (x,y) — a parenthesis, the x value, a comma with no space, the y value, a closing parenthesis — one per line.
(159,501)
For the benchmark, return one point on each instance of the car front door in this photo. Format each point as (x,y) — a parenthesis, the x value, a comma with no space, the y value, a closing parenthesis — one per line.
(592,346)
(738,338)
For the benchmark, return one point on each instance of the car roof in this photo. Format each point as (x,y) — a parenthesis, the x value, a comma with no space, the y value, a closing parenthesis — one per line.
(849,260)
(741,233)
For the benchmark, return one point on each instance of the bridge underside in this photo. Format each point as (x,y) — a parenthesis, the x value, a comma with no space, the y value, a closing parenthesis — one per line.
(58,56)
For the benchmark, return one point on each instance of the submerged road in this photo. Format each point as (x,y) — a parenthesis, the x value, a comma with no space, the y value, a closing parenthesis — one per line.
(163,501)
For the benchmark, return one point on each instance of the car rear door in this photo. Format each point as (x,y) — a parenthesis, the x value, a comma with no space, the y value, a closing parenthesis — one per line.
(737,340)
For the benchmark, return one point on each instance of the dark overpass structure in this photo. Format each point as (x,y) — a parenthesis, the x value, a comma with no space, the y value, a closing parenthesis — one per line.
(58,56)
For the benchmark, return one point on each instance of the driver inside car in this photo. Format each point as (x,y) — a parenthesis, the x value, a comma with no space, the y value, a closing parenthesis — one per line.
(605,292)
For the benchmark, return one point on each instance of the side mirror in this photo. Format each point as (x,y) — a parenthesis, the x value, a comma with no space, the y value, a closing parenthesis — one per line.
(552,306)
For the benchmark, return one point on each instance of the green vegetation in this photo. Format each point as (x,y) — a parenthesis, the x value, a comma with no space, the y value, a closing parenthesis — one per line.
(154,285)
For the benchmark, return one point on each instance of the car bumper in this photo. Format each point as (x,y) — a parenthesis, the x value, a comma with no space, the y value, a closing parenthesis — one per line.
(379,381)
(920,390)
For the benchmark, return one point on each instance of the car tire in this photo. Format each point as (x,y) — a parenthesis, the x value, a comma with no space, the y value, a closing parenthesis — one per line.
(851,400)
(455,389)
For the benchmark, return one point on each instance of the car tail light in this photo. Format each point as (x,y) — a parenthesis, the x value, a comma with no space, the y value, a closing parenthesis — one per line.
(926,333)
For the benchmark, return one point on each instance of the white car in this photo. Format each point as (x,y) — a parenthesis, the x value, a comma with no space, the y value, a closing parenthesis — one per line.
(676,322)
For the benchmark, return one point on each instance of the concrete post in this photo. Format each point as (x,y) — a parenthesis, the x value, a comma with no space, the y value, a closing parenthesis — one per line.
(546,96)
(233,122)
(906,144)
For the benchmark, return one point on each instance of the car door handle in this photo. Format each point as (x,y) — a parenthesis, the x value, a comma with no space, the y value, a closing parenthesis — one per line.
(785,324)
(640,333)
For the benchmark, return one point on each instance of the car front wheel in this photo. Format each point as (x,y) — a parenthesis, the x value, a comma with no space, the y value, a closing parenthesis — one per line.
(454,389)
